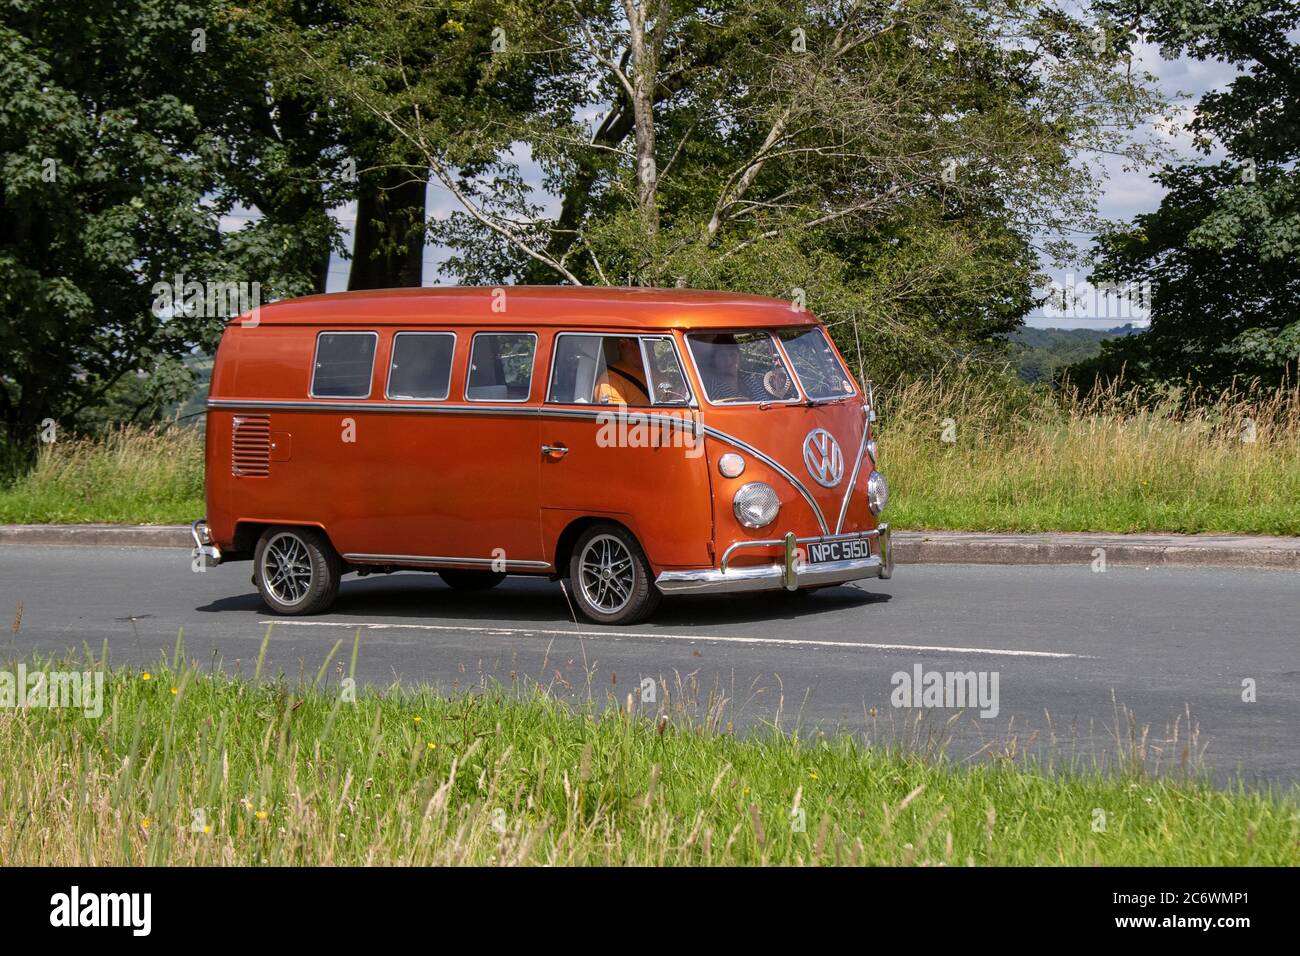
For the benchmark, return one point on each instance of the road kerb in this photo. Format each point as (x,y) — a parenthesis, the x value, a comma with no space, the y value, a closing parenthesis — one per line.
(910,547)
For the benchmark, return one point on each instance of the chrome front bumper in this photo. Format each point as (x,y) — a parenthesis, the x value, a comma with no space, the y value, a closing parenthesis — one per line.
(790,573)
(204,554)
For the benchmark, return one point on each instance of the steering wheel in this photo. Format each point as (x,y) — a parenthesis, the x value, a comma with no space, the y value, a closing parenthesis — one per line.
(776,383)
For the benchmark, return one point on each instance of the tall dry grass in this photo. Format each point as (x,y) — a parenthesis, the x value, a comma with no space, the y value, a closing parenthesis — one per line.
(132,474)
(1021,459)
(974,452)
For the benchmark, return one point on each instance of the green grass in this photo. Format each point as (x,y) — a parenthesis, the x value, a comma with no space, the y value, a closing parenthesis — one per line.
(288,772)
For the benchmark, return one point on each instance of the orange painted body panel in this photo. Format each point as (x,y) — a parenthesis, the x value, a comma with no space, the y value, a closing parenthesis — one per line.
(459,479)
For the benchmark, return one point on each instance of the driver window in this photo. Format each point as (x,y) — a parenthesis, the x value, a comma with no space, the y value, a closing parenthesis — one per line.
(611,370)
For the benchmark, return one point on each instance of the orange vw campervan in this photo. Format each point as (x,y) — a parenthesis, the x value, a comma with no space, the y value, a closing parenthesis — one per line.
(637,442)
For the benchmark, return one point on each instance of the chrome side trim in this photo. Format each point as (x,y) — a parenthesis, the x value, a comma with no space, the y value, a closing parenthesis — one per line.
(857,469)
(445,408)
(776,466)
(633,414)
(447,562)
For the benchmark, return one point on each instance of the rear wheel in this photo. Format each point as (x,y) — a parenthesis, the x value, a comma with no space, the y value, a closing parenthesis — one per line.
(611,578)
(461,580)
(296,570)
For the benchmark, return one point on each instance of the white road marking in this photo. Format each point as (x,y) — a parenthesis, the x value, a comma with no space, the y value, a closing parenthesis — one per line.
(694,638)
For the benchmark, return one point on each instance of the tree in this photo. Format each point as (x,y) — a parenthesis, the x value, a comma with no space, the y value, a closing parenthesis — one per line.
(127,131)
(889,163)
(105,166)
(1219,251)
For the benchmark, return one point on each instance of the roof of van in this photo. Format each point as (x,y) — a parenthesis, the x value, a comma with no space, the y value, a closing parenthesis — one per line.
(537,305)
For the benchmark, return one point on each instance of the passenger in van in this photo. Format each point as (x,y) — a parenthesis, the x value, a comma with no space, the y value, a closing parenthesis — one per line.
(622,382)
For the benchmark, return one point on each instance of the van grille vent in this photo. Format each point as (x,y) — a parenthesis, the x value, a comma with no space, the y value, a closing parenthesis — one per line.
(250,451)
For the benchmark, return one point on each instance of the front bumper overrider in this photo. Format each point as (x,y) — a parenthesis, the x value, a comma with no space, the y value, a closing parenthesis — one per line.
(790,573)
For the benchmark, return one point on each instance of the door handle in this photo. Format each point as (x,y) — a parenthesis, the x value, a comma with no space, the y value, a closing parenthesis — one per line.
(555,452)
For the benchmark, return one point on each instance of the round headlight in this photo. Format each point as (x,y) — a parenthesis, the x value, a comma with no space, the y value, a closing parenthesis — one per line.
(756,505)
(731,465)
(871,450)
(877,492)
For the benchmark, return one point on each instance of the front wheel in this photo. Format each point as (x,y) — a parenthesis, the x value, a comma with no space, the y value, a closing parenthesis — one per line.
(611,578)
(296,570)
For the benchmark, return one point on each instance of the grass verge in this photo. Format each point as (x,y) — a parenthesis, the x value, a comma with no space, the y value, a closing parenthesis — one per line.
(193,767)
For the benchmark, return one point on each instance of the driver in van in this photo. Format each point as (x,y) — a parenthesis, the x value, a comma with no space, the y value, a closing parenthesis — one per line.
(726,382)
(623,381)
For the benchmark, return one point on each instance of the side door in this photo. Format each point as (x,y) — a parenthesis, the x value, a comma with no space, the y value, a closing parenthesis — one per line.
(488,457)
(619,440)
(459,482)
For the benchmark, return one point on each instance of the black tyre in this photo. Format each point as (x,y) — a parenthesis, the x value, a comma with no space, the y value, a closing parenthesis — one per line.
(296,570)
(460,580)
(610,577)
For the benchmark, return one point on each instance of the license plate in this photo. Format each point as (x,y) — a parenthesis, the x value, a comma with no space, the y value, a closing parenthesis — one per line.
(819,552)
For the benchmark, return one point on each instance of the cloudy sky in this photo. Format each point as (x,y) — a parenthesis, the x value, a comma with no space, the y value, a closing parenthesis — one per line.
(1124,193)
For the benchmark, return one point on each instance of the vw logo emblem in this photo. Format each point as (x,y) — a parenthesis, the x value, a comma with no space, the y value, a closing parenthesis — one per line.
(822,455)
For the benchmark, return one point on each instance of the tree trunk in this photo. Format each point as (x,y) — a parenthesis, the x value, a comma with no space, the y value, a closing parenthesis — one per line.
(389,247)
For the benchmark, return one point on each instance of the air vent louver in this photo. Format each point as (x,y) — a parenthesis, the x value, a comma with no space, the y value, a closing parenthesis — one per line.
(250,447)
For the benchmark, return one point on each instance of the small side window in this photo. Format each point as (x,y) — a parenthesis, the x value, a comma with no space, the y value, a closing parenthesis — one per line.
(345,363)
(667,381)
(421,365)
(501,367)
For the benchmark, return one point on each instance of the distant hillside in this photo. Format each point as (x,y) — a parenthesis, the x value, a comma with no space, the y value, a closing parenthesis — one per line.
(1038,353)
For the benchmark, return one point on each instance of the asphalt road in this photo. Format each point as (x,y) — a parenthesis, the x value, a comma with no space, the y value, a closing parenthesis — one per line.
(1075,652)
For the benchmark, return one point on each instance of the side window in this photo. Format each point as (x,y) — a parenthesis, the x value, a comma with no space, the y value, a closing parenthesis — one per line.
(501,367)
(577,364)
(667,381)
(598,370)
(421,365)
(345,363)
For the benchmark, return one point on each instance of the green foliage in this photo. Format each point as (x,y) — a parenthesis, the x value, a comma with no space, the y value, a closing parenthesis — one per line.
(983,452)
(893,167)
(1219,253)
(1039,354)
(117,149)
